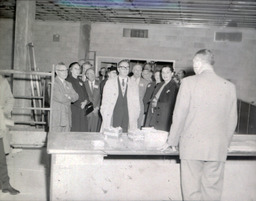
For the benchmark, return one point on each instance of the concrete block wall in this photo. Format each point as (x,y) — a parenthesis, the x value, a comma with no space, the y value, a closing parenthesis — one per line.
(234,61)
(47,51)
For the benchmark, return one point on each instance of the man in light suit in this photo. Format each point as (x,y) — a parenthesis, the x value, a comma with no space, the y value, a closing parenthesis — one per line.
(120,103)
(142,84)
(6,107)
(93,89)
(63,94)
(204,122)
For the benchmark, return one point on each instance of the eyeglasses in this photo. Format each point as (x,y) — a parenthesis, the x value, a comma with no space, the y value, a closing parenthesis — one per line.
(63,70)
(124,67)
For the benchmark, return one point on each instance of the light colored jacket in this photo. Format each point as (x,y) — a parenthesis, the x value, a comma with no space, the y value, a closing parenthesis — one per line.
(142,89)
(6,103)
(110,95)
(61,104)
(205,117)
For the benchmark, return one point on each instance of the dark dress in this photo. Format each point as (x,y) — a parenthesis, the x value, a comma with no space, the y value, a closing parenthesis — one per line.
(79,119)
(161,117)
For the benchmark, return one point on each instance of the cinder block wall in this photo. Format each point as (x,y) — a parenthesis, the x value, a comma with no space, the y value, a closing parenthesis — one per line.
(49,52)
(235,61)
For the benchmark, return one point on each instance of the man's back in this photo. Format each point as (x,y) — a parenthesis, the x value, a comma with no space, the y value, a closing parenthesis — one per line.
(204,122)
(209,106)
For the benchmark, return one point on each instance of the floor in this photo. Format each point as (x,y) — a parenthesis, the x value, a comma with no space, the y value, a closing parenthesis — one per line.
(29,173)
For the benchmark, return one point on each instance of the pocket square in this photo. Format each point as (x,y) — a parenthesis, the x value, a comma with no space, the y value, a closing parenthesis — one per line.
(168,91)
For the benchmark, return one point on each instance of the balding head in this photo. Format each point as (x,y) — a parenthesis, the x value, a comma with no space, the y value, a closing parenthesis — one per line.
(203,60)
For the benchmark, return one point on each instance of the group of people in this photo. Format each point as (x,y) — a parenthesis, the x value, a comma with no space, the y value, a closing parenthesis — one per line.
(199,112)
(122,96)
(201,120)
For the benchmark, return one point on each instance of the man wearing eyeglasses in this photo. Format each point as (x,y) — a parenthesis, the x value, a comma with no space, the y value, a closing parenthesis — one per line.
(63,94)
(120,101)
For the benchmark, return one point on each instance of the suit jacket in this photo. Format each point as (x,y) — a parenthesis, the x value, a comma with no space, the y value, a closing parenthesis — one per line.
(148,95)
(142,89)
(102,84)
(205,117)
(161,118)
(79,120)
(6,103)
(94,96)
(110,95)
(61,110)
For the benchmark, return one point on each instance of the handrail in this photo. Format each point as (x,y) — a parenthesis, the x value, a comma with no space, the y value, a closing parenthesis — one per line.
(25,72)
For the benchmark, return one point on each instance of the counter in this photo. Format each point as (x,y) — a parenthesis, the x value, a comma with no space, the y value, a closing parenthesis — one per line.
(83,169)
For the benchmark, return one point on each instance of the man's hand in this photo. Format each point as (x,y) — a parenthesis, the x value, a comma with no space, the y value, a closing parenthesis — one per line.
(68,96)
(166,147)
(83,104)
(95,111)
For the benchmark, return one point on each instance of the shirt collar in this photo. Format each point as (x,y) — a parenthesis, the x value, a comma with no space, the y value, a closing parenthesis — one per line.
(121,79)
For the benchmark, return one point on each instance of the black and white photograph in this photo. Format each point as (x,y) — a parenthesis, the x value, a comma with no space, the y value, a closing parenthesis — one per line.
(127,100)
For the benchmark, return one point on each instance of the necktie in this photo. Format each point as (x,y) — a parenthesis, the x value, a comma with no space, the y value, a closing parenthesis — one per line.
(123,83)
(91,86)
(65,85)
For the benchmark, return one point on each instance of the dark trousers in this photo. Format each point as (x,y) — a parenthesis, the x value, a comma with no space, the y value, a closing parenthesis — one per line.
(4,178)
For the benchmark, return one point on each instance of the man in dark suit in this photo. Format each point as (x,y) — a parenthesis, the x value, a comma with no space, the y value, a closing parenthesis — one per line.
(93,89)
(150,90)
(204,122)
(163,101)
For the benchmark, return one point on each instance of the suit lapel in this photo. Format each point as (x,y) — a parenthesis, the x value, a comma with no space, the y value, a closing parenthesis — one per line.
(61,85)
(88,89)
(157,89)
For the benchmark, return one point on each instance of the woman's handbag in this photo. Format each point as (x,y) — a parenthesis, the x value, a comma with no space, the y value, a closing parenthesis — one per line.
(88,108)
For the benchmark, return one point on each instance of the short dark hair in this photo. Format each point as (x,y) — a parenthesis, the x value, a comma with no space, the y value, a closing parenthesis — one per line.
(72,64)
(183,71)
(124,60)
(206,55)
(171,68)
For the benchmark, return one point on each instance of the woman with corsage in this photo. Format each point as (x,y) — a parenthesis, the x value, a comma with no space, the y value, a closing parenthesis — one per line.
(162,102)
(79,119)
